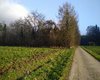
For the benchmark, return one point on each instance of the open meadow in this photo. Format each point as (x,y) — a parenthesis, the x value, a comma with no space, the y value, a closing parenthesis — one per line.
(20,63)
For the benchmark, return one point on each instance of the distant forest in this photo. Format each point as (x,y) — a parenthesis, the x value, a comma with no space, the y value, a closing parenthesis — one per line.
(92,36)
(35,31)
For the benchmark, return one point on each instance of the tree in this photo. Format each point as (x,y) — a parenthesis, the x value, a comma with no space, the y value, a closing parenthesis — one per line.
(1,29)
(54,36)
(46,32)
(37,20)
(93,34)
(22,30)
(35,31)
(69,25)
(4,34)
(84,40)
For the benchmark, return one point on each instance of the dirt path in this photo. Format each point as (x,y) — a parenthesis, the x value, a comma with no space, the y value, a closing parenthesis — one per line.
(84,67)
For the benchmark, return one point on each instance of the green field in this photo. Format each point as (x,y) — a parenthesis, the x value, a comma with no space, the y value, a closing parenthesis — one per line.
(20,63)
(93,50)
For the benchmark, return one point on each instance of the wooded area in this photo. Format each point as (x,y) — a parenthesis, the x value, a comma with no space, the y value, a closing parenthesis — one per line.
(35,31)
(92,37)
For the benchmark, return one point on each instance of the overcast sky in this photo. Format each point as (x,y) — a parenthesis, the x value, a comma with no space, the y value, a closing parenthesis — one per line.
(88,10)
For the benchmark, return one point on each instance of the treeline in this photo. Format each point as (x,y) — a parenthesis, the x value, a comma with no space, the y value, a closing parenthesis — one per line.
(35,31)
(92,36)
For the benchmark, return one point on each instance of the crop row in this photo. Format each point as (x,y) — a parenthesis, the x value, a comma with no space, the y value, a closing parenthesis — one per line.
(29,61)
(34,63)
(56,69)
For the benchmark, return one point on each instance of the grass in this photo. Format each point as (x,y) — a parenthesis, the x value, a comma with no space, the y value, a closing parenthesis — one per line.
(20,63)
(93,50)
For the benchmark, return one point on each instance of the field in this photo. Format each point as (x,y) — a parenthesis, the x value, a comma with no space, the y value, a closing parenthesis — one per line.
(93,50)
(20,63)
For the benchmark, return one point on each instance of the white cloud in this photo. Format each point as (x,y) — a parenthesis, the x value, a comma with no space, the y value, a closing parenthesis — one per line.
(10,11)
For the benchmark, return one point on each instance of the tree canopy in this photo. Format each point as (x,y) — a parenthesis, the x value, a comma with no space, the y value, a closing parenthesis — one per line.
(92,36)
(35,31)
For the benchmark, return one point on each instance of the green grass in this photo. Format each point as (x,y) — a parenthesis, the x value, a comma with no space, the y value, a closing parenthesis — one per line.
(93,50)
(20,63)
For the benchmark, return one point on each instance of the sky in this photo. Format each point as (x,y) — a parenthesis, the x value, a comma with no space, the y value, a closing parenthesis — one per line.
(88,10)
(10,11)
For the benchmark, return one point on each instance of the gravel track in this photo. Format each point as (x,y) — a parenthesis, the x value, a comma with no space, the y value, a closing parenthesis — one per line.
(84,67)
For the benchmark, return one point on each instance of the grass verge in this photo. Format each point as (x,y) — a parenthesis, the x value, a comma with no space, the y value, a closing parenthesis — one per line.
(93,50)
